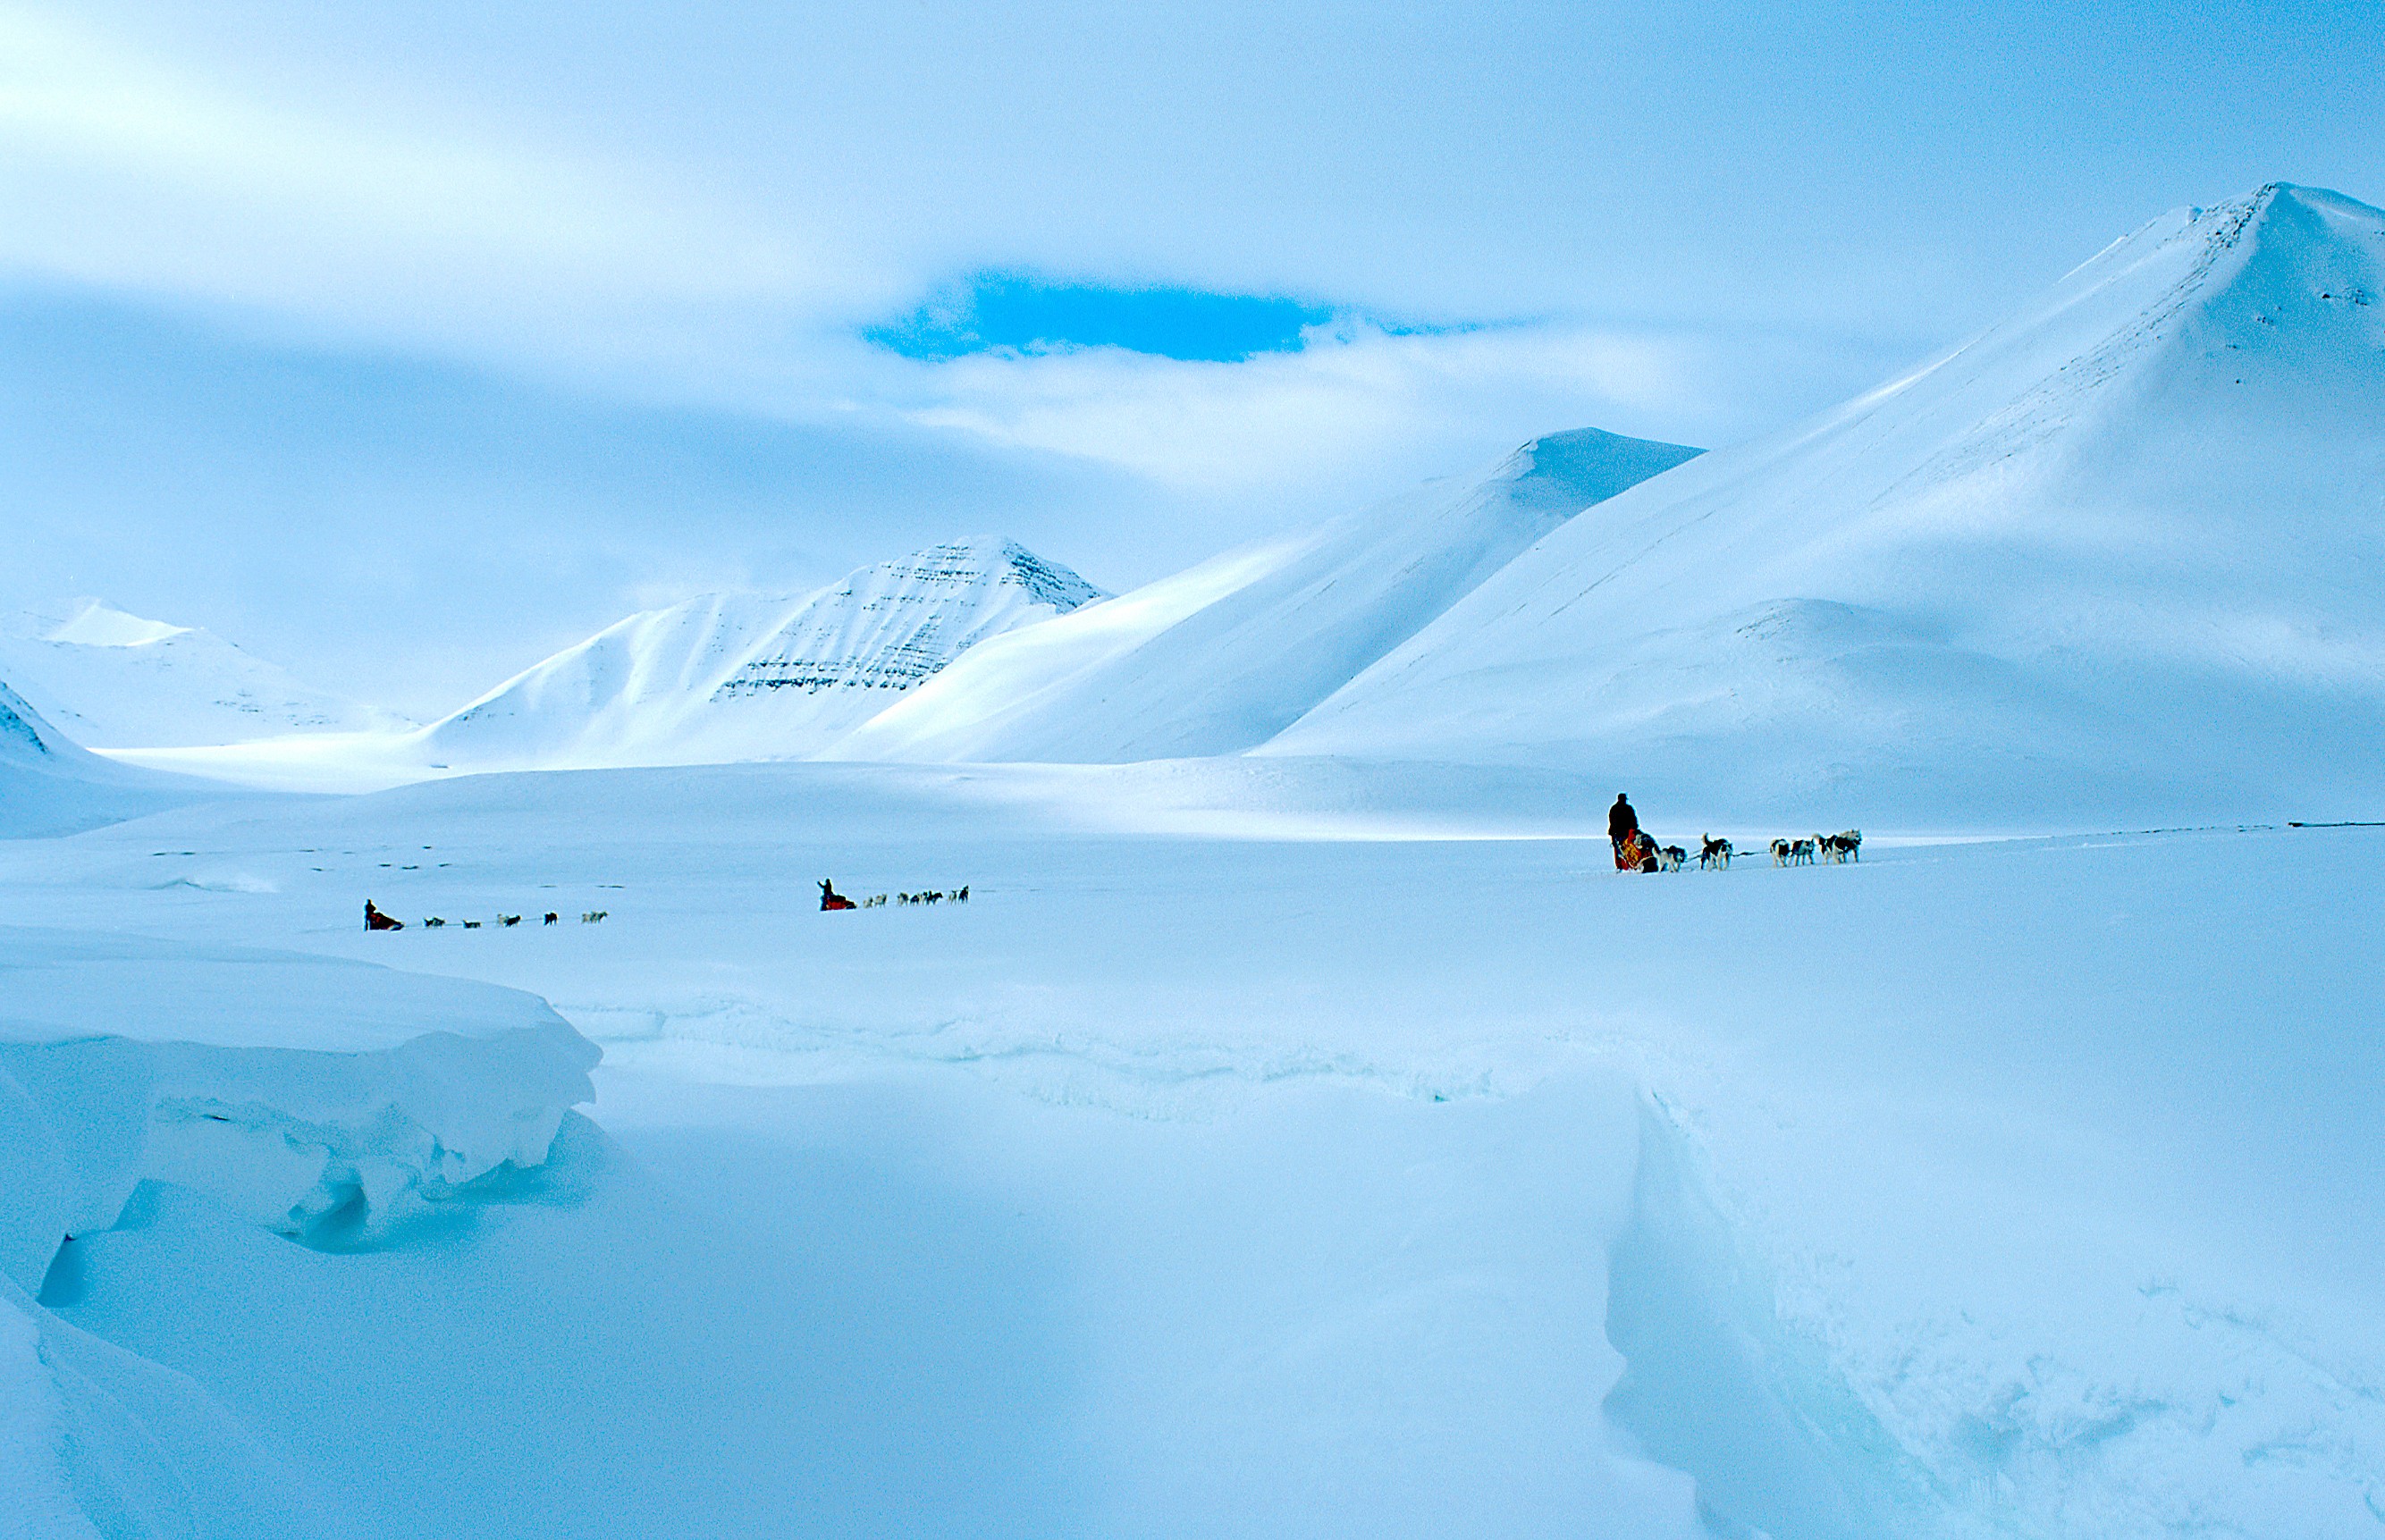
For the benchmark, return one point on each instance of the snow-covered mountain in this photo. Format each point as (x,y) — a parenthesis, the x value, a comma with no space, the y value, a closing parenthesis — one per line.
(113,680)
(2122,553)
(1219,658)
(737,677)
(49,785)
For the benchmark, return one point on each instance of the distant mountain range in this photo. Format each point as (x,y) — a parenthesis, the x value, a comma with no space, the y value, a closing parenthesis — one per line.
(1222,658)
(112,680)
(2121,554)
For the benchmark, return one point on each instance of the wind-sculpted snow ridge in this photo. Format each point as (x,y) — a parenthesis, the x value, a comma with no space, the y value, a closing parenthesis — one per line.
(326,1100)
(113,680)
(2115,560)
(747,676)
(1217,659)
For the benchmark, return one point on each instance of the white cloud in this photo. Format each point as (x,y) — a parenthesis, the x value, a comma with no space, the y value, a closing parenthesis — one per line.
(1353,402)
(120,171)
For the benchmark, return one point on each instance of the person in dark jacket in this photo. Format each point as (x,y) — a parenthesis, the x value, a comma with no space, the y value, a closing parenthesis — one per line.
(1622,823)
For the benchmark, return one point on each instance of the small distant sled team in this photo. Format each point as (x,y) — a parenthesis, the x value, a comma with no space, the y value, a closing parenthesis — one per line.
(1636,851)
(376,920)
(833,900)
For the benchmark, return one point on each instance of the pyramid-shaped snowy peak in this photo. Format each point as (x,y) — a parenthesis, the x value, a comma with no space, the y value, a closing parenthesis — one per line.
(742,677)
(2123,555)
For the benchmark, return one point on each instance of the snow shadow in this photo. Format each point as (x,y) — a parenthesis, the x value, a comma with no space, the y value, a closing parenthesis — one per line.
(821,1344)
(1714,1386)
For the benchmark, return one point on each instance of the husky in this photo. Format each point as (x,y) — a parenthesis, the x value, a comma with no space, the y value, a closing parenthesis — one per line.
(1780,850)
(472,925)
(1669,858)
(1713,852)
(1801,853)
(594,916)
(550,918)
(433,923)
(1846,845)
(509,921)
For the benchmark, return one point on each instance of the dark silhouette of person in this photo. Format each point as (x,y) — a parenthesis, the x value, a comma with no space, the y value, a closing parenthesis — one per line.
(1621,822)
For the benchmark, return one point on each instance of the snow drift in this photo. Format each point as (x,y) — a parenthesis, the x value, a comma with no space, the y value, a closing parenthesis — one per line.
(1217,659)
(315,1095)
(324,1099)
(738,677)
(112,680)
(2117,556)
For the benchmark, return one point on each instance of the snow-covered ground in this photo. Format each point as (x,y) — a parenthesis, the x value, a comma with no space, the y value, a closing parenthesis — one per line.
(1286,1171)
(51,785)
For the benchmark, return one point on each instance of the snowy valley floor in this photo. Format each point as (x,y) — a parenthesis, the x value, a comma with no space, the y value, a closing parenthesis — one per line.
(1193,1179)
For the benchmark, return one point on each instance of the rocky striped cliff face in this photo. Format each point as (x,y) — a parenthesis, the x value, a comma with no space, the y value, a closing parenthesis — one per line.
(744,676)
(891,626)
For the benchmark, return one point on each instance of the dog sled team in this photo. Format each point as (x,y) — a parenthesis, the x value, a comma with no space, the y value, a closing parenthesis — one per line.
(1846,845)
(831,900)
(377,919)
(1636,851)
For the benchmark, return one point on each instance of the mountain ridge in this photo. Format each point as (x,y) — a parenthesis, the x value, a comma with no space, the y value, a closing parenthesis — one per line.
(2032,571)
(110,679)
(1217,659)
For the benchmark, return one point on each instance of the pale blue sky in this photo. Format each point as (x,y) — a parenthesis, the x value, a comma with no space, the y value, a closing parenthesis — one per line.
(407,342)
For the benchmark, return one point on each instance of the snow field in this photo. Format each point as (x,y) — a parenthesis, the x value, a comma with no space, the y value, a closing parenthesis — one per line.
(2026,1186)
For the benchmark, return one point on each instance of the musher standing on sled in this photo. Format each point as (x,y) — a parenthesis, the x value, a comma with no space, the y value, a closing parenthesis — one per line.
(1623,832)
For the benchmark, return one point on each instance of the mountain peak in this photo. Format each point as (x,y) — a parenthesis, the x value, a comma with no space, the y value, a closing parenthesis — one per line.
(87,622)
(744,676)
(2114,556)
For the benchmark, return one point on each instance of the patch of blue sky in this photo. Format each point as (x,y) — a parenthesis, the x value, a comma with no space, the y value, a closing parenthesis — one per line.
(995,311)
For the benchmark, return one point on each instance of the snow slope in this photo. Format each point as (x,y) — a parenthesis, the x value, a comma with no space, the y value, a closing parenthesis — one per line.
(1183,1185)
(2122,555)
(1217,659)
(324,1099)
(735,676)
(49,785)
(113,680)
